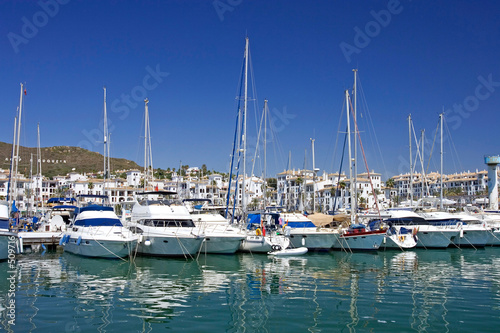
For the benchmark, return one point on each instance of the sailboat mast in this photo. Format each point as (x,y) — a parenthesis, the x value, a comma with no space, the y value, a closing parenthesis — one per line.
(10,189)
(39,167)
(18,142)
(245,101)
(314,175)
(422,162)
(146,131)
(352,188)
(411,162)
(355,131)
(105,135)
(441,178)
(265,151)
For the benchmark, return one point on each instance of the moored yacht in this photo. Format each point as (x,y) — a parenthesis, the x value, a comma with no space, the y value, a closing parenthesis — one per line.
(164,226)
(303,232)
(96,231)
(264,234)
(428,235)
(471,231)
(221,237)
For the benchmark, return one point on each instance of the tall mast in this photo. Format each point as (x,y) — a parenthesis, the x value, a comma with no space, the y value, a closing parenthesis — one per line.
(355,132)
(265,151)
(441,178)
(18,141)
(352,188)
(243,199)
(314,175)
(105,134)
(146,131)
(39,166)
(411,162)
(422,162)
(10,190)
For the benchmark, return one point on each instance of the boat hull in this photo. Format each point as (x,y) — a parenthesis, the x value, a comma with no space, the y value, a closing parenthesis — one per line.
(103,248)
(399,242)
(7,239)
(477,237)
(263,244)
(221,244)
(312,239)
(365,241)
(435,239)
(289,252)
(169,245)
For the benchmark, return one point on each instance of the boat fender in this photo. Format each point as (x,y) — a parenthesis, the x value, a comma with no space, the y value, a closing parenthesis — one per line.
(141,238)
(147,242)
(61,241)
(303,241)
(68,237)
(258,232)
(79,240)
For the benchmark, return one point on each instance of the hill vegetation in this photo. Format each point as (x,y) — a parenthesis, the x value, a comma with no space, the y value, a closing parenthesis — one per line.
(61,160)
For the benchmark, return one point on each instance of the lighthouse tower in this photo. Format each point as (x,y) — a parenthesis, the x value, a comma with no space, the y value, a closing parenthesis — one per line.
(492,162)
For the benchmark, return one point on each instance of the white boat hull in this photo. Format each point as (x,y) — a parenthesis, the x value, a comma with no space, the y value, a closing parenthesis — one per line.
(369,242)
(169,245)
(406,241)
(221,244)
(263,244)
(472,237)
(289,252)
(435,238)
(103,248)
(312,239)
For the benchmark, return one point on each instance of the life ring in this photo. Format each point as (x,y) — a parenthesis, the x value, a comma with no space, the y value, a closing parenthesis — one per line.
(258,232)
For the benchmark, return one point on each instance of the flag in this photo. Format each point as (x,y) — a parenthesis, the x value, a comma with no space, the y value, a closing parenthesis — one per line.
(25,92)
(156,188)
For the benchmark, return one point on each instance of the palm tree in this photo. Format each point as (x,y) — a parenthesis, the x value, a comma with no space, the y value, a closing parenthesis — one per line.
(389,183)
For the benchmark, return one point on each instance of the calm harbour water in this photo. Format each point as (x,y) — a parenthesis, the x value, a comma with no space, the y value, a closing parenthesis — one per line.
(414,291)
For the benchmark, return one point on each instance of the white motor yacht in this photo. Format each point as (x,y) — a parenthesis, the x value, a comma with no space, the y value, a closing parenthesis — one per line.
(96,231)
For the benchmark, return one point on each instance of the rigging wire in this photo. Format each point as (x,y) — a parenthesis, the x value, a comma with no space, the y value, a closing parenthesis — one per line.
(372,132)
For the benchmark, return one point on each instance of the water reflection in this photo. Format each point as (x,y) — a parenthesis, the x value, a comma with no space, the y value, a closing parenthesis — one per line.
(419,290)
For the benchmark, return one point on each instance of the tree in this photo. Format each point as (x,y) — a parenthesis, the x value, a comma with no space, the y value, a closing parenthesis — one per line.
(389,183)
(272,183)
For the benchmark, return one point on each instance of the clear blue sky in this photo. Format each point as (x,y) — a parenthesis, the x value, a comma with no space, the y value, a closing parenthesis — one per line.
(413,57)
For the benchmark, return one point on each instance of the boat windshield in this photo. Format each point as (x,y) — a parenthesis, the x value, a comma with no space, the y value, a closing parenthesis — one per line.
(167,223)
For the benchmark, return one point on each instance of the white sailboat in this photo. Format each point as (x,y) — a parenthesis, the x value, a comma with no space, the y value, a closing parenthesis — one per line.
(357,237)
(256,240)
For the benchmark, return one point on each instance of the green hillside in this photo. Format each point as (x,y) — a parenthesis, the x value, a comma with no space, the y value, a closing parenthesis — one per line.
(61,160)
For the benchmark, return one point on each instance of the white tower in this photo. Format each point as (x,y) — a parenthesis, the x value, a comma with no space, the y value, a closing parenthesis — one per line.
(492,162)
